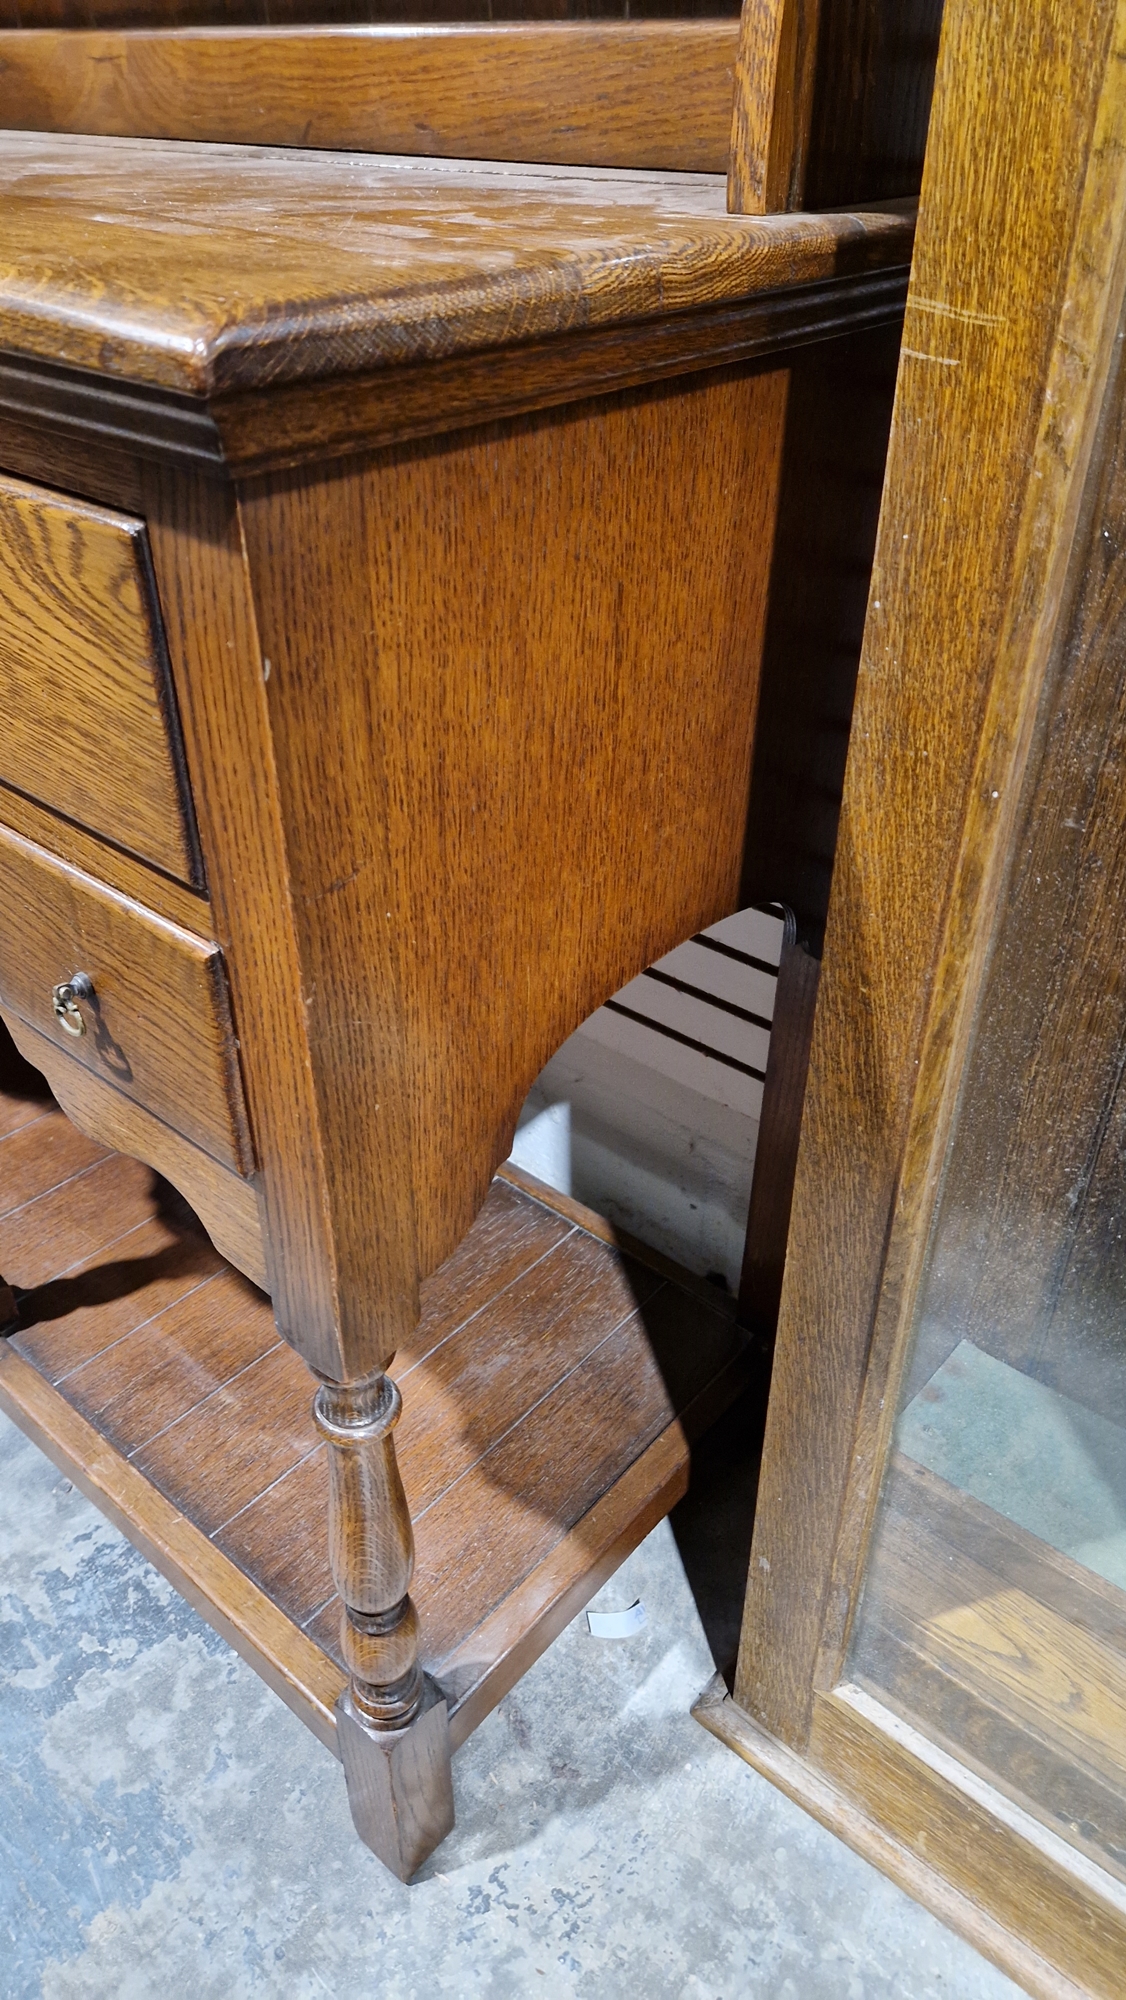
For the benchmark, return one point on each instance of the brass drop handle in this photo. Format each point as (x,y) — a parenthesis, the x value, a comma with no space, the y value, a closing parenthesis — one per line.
(65,999)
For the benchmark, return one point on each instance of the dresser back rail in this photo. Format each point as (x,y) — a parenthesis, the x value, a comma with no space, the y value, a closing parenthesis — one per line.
(589,94)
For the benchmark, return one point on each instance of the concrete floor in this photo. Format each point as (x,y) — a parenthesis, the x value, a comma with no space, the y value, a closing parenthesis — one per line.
(167,1828)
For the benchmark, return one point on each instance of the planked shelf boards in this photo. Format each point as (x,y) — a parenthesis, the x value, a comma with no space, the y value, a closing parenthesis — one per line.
(557,1381)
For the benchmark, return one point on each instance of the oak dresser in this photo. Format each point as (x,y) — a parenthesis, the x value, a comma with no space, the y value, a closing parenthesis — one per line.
(386,548)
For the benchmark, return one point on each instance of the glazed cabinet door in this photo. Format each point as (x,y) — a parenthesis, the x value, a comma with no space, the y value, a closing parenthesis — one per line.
(993,1613)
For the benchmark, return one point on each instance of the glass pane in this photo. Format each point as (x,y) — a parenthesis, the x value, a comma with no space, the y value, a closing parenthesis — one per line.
(994,1609)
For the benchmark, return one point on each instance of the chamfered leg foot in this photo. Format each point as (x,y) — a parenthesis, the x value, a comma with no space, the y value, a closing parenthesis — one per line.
(399,1783)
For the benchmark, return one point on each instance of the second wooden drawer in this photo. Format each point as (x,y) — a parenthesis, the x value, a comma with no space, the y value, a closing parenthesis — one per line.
(158,1023)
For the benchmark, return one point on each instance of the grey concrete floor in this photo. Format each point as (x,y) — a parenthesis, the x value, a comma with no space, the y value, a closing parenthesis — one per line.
(167,1828)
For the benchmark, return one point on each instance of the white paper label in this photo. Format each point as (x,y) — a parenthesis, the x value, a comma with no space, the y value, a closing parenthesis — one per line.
(617,1624)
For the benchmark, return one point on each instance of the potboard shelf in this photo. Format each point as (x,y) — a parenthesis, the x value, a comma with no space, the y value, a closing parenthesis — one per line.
(550,1396)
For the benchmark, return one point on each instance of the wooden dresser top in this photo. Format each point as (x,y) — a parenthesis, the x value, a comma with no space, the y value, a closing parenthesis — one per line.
(209,269)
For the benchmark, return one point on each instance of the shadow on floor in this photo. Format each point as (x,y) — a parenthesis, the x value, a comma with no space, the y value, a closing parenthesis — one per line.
(712,1524)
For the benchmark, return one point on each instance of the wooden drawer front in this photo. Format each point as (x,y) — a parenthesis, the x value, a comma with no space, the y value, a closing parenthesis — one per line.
(87,720)
(159,1025)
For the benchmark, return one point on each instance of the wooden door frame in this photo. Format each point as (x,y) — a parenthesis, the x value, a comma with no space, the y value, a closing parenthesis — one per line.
(1013,313)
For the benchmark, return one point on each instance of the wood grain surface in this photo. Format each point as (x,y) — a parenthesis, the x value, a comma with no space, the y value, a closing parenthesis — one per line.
(583,93)
(87,718)
(832,99)
(91,856)
(357,729)
(371,1551)
(226,1204)
(485,1385)
(158,1026)
(215,268)
(773,102)
(871,103)
(990,440)
(450,607)
(838,416)
(400,1786)
(95,470)
(92,426)
(39,1159)
(76,14)
(221,680)
(82,1313)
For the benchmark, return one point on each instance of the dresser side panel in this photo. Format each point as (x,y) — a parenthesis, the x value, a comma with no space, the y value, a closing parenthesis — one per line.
(513,682)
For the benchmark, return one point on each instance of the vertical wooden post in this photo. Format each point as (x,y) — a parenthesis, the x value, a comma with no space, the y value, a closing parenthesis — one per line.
(392,1724)
(774,77)
(831,102)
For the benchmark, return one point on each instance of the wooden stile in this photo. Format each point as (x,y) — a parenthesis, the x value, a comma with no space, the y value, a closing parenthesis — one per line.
(832,99)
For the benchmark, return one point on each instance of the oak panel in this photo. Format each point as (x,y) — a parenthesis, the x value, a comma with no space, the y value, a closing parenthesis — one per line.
(111,865)
(537,1483)
(279,1539)
(101,471)
(773,102)
(510,592)
(306,420)
(479,1382)
(591,93)
(15,1112)
(221,678)
(832,99)
(88,719)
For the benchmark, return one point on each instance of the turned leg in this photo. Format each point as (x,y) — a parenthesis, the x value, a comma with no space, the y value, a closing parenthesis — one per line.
(392,1723)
